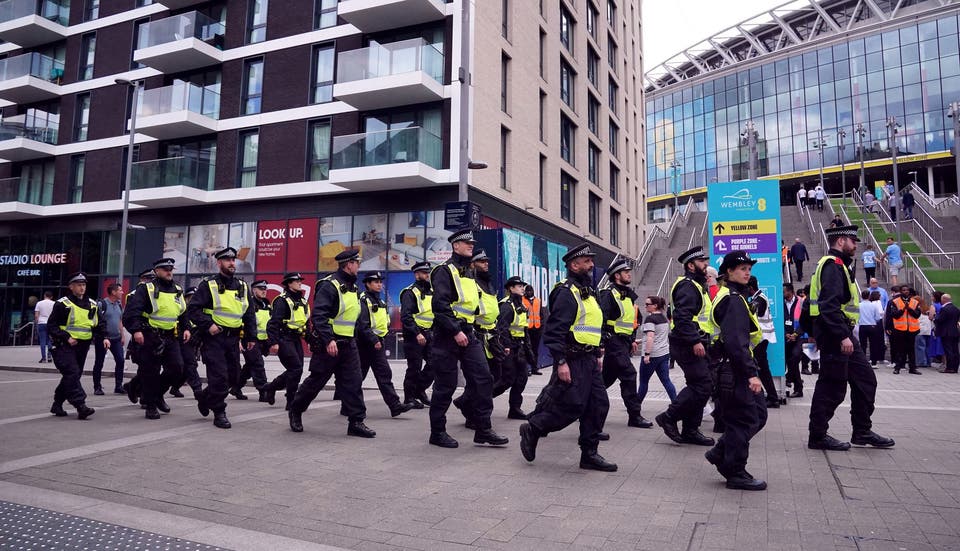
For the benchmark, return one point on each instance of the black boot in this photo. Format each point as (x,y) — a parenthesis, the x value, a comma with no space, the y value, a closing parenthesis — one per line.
(296,421)
(489,437)
(268,396)
(639,422)
(696,437)
(516,413)
(132,394)
(603,436)
(914,371)
(870,438)
(743,481)
(83,412)
(773,403)
(590,459)
(175,392)
(57,409)
(98,391)
(220,420)
(358,428)
(162,405)
(528,441)
(414,403)
(399,409)
(669,427)
(827,442)
(713,457)
(237,393)
(152,413)
(443,440)
(202,404)
(423,398)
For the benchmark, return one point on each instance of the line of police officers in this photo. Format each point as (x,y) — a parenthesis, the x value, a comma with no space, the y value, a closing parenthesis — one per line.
(451,317)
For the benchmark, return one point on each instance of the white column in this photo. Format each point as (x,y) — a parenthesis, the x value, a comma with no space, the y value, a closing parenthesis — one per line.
(930,186)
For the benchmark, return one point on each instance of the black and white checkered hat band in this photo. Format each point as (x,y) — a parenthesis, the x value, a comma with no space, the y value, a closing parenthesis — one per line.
(692,256)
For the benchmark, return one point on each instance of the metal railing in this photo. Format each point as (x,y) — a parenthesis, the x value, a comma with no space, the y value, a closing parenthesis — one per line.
(387,147)
(917,233)
(45,133)
(173,171)
(921,212)
(380,60)
(868,236)
(916,278)
(17,331)
(674,269)
(180,27)
(180,96)
(32,64)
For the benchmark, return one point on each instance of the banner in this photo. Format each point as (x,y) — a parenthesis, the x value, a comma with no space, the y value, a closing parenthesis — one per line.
(271,246)
(745,216)
(536,260)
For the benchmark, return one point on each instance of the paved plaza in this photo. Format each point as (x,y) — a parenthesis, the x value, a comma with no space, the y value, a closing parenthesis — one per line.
(179,483)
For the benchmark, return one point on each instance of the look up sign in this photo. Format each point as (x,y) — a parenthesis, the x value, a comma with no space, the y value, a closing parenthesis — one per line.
(745,216)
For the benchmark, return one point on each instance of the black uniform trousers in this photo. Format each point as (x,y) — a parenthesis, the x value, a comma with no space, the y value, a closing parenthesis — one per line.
(617,365)
(419,374)
(159,351)
(535,334)
(221,356)
(904,349)
(836,372)
(699,384)
(370,357)
(69,361)
(346,367)
(951,352)
(763,371)
(584,399)
(253,366)
(290,352)
(190,376)
(477,397)
(792,352)
(514,372)
(744,414)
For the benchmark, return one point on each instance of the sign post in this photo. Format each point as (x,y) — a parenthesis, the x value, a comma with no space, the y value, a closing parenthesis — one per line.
(461,215)
(745,216)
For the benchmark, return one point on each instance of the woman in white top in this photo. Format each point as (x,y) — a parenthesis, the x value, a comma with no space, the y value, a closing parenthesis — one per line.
(926,328)
(656,348)
(870,330)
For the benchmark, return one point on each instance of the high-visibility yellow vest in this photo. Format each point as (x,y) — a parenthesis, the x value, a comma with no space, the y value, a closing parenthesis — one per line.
(701,318)
(850,309)
(487,311)
(468,294)
(766,320)
(228,306)
(299,313)
(166,307)
(263,316)
(379,318)
(626,323)
(344,324)
(424,315)
(756,335)
(80,322)
(518,325)
(588,323)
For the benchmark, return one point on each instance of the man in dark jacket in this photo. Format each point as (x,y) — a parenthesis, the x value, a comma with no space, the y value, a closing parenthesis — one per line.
(416,318)
(902,324)
(253,364)
(513,335)
(374,325)
(286,329)
(798,255)
(946,324)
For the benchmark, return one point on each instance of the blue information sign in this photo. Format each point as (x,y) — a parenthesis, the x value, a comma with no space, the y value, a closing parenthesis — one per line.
(745,216)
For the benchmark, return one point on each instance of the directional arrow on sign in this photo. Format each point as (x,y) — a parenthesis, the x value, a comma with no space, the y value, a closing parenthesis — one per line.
(718,229)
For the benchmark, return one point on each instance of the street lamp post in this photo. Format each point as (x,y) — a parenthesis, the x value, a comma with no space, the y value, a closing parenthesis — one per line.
(955,115)
(675,165)
(819,144)
(749,138)
(841,134)
(892,125)
(124,224)
(861,132)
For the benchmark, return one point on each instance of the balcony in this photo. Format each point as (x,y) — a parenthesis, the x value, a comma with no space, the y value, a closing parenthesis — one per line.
(18,201)
(403,158)
(180,43)
(178,111)
(24,138)
(180,4)
(376,15)
(388,75)
(29,78)
(173,182)
(29,23)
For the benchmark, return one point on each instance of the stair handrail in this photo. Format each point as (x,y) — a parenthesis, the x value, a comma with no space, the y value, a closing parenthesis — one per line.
(881,268)
(17,331)
(924,239)
(925,219)
(656,235)
(921,195)
(808,219)
(674,271)
(917,278)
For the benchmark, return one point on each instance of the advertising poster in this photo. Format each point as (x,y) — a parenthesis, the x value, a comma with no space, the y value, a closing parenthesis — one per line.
(302,245)
(271,246)
(243,238)
(175,246)
(205,241)
(370,236)
(335,237)
(406,239)
(745,216)
(534,259)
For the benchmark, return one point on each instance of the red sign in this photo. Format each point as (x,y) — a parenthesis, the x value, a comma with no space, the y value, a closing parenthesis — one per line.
(303,241)
(271,245)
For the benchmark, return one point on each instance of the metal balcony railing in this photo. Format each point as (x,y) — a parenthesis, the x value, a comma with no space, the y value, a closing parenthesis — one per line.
(179,27)
(180,96)
(380,60)
(45,132)
(32,64)
(387,147)
(173,171)
(34,193)
(51,10)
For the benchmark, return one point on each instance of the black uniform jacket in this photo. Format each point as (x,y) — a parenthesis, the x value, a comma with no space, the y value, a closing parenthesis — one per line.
(326,304)
(367,338)
(444,294)
(279,313)
(202,299)
(505,318)
(733,316)
(611,309)
(138,304)
(408,307)
(831,326)
(563,312)
(59,317)
(687,302)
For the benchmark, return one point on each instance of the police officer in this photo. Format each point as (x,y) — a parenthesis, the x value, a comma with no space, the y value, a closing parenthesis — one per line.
(416,318)
(132,388)
(456,299)
(156,317)
(834,311)
(690,334)
(288,325)
(512,335)
(73,324)
(744,411)
(572,334)
(534,326)
(253,358)
(336,310)
(190,353)
(222,309)
(617,300)
(374,324)
(760,305)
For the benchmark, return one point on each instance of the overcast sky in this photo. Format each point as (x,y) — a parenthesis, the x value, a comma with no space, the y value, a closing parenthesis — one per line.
(670,26)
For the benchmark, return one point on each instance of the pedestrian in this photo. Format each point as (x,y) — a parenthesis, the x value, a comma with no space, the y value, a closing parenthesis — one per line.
(72,324)
(617,301)
(690,334)
(760,307)
(892,205)
(799,255)
(712,286)
(221,310)
(253,365)
(656,350)
(374,325)
(155,316)
(534,326)
(869,261)
(572,334)
(935,344)
(867,328)
(41,313)
(112,312)
(884,297)
(190,353)
(923,338)
(820,195)
(132,387)
(946,324)
(837,221)
(834,314)
(908,201)
(802,196)
(903,326)
(286,330)
(742,404)
(893,257)
(455,302)
(784,259)
(336,309)
(811,198)
(512,331)
(792,333)
(810,366)
(868,201)
(416,319)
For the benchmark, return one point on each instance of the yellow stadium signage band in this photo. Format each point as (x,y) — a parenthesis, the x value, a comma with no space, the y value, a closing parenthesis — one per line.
(747,227)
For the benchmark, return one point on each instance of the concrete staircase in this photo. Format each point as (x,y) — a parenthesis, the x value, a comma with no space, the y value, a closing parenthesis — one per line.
(664,259)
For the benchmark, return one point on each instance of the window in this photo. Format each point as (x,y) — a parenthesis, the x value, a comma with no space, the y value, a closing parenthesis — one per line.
(543,177)
(318,167)
(614,227)
(593,162)
(249,146)
(543,47)
(77,166)
(566,83)
(504,137)
(505,19)
(566,29)
(567,137)
(257,21)
(81,118)
(614,182)
(614,137)
(593,67)
(504,81)
(593,214)
(325,14)
(91,10)
(36,183)
(612,90)
(323,62)
(137,32)
(592,16)
(612,53)
(253,88)
(88,47)
(593,114)
(567,194)
(611,12)
(543,118)
(142,3)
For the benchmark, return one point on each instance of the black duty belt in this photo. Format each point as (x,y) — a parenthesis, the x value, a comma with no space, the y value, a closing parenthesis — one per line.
(582,349)
(230,331)
(164,332)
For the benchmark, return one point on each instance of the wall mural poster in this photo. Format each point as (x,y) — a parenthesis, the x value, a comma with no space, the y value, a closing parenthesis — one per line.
(243,238)
(438,249)
(370,236)
(395,283)
(406,240)
(271,245)
(175,246)
(205,241)
(336,235)
(302,245)
(534,259)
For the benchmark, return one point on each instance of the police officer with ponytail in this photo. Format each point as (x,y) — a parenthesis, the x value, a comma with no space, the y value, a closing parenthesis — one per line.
(286,329)
(416,317)
(512,336)
(374,324)
(253,366)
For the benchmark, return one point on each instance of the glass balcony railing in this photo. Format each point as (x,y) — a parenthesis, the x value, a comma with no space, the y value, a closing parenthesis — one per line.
(32,64)
(51,10)
(175,171)
(387,147)
(181,96)
(25,191)
(379,60)
(180,27)
(46,133)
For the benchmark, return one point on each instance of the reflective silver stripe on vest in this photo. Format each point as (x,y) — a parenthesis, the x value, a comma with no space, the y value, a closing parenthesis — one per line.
(581,325)
(460,296)
(82,330)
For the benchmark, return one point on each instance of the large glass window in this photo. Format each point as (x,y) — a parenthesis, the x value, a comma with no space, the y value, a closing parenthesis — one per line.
(615,138)
(593,67)
(612,90)
(593,163)
(323,64)
(615,182)
(593,214)
(566,29)
(504,149)
(504,82)
(543,116)
(612,53)
(36,182)
(81,121)
(77,167)
(567,195)
(137,30)
(91,10)
(592,16)
(249,149)
(325,14)
(88,49)
(253,86)
(593,114)
(567,92)
(614,227)
(318,165)
(256,21)
(568,135)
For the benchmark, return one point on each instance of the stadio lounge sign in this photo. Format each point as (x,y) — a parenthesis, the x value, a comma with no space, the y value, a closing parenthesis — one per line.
(32,260)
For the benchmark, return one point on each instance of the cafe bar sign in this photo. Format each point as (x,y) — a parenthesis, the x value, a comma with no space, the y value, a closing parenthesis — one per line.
(28,259)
